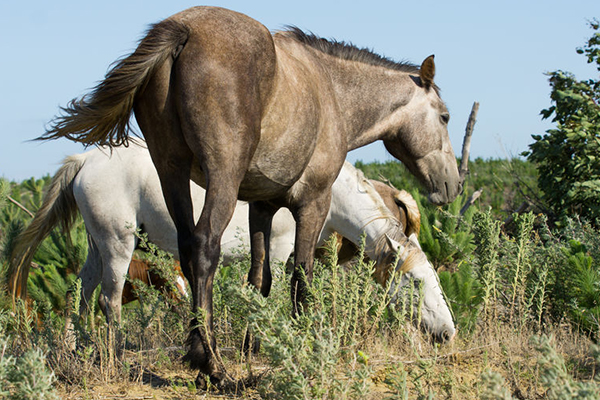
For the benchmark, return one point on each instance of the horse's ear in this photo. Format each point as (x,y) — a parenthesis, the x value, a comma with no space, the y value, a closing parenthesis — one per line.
(427,72)
(394,245)
(413,239)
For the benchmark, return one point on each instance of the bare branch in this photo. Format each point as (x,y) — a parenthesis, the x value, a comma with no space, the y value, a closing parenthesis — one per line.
(21,206)
(466,149)
(470,201)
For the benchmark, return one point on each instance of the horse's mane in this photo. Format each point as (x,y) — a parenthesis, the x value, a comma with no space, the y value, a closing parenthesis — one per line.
(347,51)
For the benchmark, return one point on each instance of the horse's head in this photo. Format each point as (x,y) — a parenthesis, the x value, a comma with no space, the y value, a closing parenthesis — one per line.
(417,286)
(419,138)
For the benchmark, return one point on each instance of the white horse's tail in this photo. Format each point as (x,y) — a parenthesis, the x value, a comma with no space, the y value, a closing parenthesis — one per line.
(58,207)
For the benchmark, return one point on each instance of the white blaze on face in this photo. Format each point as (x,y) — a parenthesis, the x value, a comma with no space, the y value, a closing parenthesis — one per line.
(435,316)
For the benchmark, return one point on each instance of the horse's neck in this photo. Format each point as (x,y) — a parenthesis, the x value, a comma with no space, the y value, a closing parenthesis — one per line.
(370,99)
(357,210)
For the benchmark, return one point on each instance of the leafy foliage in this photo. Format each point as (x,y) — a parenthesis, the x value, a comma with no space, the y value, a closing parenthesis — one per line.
(344,309)
(575,285)
(556,377)
(567,157)
(464,291)
(445,236)
(58,258)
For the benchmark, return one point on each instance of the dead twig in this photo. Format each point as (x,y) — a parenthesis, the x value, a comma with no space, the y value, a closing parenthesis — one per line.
(21,206)
(466,149)
(470,201)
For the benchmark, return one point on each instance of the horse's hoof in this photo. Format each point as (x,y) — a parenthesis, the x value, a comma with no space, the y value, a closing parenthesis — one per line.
(217,381)
(251,343)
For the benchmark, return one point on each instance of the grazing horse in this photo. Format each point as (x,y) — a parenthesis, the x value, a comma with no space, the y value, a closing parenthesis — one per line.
(264,118)
(119,192)
(143,271)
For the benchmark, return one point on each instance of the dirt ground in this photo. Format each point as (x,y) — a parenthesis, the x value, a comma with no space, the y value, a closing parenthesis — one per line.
(453,373)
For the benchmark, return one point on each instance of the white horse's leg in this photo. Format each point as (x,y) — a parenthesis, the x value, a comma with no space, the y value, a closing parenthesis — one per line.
(283,230)
(116,255)
(90,276)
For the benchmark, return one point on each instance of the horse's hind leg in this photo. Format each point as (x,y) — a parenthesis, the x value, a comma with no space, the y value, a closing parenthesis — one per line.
(261,218)
(116,256)
(90,276)
(200,246)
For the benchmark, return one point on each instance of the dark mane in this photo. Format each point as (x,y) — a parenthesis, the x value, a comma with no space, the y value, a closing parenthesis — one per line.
(347,51)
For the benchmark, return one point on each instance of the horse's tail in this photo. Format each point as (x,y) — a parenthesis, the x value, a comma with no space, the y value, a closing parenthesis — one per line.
(102,117)
(58,207)
(413,215)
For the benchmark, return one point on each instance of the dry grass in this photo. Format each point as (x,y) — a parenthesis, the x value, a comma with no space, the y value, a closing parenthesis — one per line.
(453,371)
(341,348)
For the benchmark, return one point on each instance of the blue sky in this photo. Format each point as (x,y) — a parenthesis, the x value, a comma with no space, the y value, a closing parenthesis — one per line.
(492,52)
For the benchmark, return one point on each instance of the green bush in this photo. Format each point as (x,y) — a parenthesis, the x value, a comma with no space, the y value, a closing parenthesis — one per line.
(25,377)
(554,375)
(465,295)
(567,157)
(574,256)
(445,235)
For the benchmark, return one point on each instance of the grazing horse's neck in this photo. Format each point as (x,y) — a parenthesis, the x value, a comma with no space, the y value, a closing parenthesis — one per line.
(357,210)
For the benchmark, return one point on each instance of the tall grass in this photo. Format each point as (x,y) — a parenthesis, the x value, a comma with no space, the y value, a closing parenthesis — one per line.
(504,288)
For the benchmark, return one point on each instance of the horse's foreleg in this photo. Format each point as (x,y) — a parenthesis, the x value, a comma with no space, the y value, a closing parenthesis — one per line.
(310,217)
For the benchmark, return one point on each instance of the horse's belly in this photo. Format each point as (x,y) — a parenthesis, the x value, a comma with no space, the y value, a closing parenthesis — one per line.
(258,185)
(276,167)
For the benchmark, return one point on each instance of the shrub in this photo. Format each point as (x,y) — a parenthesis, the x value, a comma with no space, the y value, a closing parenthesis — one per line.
(25,377)
(446,236)
(567,156)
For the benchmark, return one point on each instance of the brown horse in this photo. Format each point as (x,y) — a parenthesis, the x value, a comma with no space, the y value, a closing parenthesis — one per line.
(264,118)
(146,273)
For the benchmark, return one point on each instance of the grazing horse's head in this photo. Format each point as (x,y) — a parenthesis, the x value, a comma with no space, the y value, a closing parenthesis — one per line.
(416,288)
(419,138)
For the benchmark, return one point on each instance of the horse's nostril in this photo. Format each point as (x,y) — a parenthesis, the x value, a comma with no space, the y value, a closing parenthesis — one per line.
(446,336)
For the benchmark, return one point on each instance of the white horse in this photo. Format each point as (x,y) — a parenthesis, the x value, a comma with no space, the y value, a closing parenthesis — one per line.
(118,191)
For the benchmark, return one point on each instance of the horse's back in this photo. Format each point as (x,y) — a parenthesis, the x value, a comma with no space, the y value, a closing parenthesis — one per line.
(283,92)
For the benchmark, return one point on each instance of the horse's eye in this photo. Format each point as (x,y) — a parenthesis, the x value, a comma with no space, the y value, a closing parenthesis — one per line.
(445,117)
